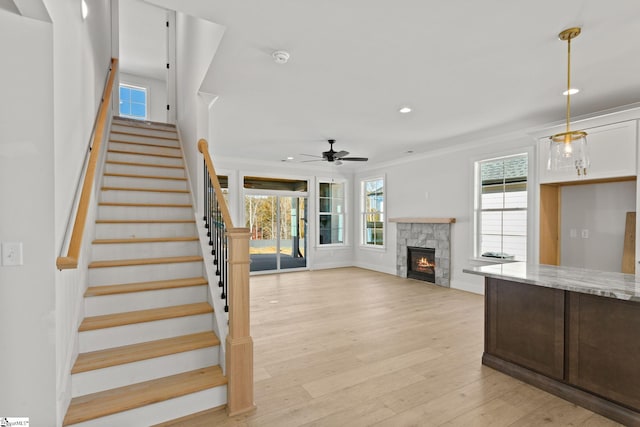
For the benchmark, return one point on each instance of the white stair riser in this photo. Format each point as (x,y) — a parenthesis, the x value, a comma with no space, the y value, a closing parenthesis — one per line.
(151,137)
(109,251)
(167,132)
(143,170)
(145,146)
(144,273)
(163,411)
(124,231)
(124,196)
(143,370)
(101,339)
(129,182)
(144,212)
(118,303)
(136,158)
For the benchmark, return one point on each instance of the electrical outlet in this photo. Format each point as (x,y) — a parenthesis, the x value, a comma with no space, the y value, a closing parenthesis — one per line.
(11,253)
(585,233)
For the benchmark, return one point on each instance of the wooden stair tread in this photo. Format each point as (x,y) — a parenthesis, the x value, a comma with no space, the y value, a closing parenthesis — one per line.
(147,205)
(148,165)
(143,351)
(95,405)
(153,190)
(131,175)
(188,420)
(138,153)
(144,261)
(117,132)
(95,291)
(145,221)
(145,240)
(144,144)
(142,316)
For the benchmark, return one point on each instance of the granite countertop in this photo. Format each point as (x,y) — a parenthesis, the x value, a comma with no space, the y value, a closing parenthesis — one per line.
(607,284)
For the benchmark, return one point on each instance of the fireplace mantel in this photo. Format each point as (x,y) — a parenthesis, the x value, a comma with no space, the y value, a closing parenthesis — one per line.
(423,220)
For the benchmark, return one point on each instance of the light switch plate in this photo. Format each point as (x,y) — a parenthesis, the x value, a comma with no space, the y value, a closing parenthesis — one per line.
(11,253)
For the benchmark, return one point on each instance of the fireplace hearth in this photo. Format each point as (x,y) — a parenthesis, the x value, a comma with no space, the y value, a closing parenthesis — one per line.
(421,263)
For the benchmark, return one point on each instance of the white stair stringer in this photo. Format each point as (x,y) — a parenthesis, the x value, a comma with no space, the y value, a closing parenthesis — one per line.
(146,258)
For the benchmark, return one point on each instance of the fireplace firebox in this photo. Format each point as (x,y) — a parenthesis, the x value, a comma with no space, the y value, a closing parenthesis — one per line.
(421,263)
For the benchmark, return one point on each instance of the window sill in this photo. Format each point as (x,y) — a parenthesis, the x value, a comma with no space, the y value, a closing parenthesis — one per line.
(489,260)
(374,248)
(332,246)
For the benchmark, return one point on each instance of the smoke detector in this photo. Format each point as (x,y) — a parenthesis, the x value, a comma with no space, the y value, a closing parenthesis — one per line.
(280,56)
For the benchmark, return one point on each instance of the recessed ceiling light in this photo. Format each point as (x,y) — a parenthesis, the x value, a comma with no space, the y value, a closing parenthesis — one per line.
(404,110)
(289,158)
(571,91)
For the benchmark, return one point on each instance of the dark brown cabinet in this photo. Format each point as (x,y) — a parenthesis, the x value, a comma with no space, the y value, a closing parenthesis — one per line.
(581,347)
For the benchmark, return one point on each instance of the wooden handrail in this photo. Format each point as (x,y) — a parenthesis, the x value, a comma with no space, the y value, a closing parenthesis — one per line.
(203,147)
(70,261)
(239,344)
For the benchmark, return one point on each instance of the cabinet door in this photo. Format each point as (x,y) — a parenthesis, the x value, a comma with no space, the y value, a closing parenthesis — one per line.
(612,151)
(604,347)
(525,325)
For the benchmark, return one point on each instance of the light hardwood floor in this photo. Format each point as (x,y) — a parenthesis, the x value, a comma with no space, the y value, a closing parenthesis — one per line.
(352,347)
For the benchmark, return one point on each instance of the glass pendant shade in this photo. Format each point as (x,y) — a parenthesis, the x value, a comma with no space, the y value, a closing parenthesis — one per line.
(569,151)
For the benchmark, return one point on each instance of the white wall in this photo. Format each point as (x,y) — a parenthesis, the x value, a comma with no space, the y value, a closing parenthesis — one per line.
(27,292)
(156,95)
(197,41)
(447,177)
(601,210)
(82,55)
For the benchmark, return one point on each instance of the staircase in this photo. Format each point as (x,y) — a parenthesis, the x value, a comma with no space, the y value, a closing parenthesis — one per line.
(148,350)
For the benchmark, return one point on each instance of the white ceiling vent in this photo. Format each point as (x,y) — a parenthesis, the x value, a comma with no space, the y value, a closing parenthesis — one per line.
(280,56)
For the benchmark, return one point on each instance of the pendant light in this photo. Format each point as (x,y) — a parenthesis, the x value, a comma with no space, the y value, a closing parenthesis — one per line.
(568,150)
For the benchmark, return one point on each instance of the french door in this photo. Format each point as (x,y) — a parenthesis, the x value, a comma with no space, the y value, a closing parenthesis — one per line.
(278,226)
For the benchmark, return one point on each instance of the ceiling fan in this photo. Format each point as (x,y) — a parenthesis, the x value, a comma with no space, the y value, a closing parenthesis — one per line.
(336,157)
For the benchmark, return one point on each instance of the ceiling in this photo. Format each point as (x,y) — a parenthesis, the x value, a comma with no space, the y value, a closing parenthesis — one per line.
(468,70)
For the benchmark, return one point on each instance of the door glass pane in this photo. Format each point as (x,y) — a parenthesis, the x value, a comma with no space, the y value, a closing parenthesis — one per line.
(261,215)
(293,232)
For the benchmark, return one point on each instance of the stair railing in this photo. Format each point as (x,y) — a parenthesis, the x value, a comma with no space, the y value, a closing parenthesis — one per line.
(230,250)
(81,208)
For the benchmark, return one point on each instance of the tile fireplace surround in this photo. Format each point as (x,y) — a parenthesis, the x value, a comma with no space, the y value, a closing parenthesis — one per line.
(425,233)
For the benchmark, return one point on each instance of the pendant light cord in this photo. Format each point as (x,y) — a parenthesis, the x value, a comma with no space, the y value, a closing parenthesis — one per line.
(568,81)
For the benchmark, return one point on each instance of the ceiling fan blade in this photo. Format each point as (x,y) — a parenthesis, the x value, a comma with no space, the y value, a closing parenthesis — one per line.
(340,154)
(317,160)
(311,155)
(338,162)
(355,159)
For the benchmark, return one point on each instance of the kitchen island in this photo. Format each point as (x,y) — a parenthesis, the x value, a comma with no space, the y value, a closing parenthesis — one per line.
(572,332)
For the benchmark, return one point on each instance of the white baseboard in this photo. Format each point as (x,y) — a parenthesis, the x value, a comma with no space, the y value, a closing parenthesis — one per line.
(473,287)
(375,267)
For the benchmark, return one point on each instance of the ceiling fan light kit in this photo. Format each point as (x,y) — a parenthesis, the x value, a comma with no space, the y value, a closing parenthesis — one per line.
(569,149)
(335,157)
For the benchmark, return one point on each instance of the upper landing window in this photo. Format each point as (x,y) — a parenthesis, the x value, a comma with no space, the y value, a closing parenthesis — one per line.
(133,102)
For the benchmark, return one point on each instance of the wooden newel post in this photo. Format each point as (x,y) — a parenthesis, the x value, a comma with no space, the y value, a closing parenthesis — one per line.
(239,354)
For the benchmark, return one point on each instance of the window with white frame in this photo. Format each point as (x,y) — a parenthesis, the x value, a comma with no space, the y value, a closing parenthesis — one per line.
(372,212)
(331,213)
(501,208)
(133,101)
